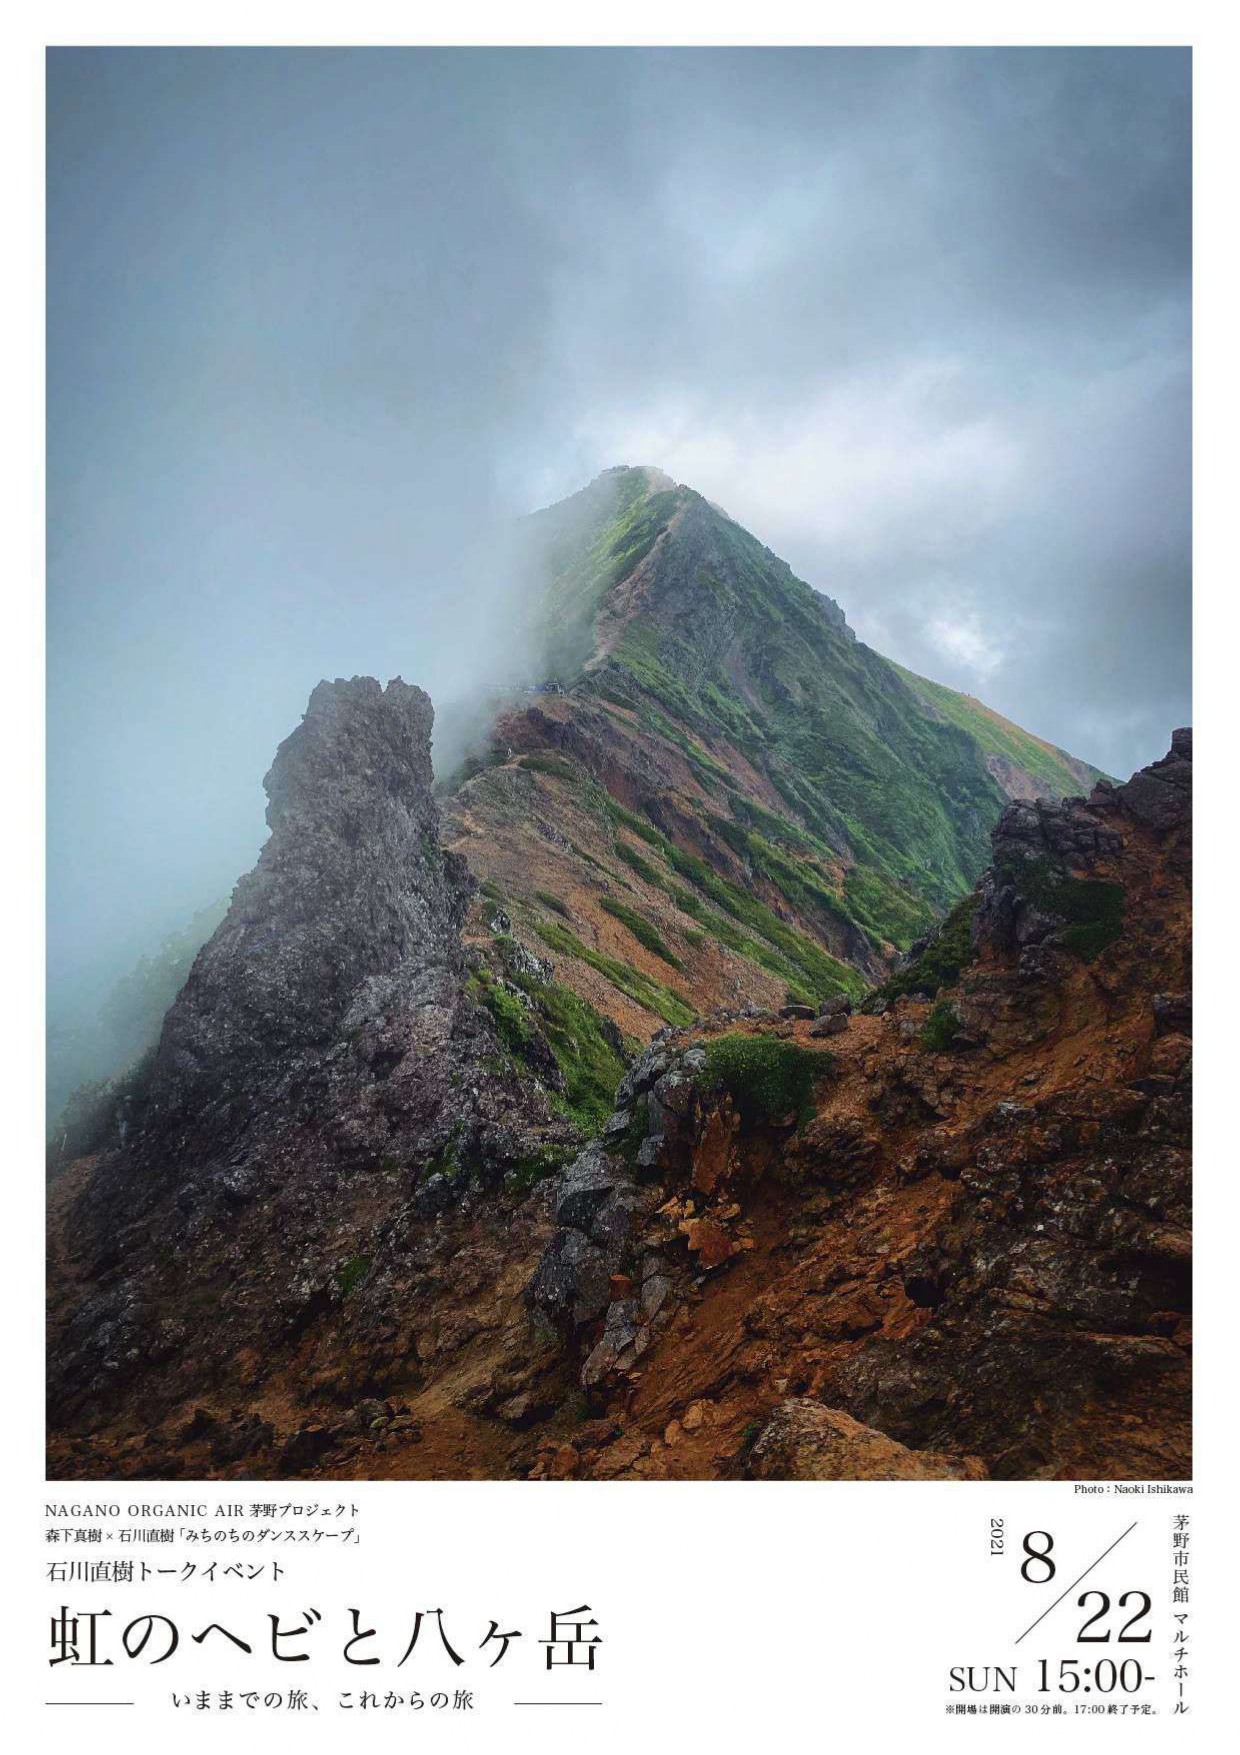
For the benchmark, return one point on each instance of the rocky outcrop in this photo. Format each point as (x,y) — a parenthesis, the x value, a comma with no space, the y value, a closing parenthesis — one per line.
(596,1280)
(349,925)
(1058,891)
(1048,881)
(327,1102)
(645,1215)
(803,1441)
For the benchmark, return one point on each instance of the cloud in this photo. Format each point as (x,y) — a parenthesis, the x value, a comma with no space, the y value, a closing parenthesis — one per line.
(876,461)
(963,638)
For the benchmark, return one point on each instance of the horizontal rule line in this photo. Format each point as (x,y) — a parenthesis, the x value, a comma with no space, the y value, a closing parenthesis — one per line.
(88,1703)
(557,1703)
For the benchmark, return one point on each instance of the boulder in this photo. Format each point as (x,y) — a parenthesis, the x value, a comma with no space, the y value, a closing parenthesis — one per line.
(573,1276)
(803,1441)
(585,1185)
(1173,1014)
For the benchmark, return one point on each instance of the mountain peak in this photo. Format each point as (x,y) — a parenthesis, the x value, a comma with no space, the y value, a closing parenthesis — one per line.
(656,480)
(698,694)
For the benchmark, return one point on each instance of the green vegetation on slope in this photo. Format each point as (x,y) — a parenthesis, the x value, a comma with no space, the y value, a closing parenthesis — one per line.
(513,1027)
(751,678)
(939,963)
(1092,910)
(642,867)
(728,650)
(651,994)
(641,928)
(555,766)
(586,549)
(352,1274)
(586,1053)
(939,1030)
(811,972)
(884,908)
(999,737)
(836,729)
(768,1079)
(587,1049)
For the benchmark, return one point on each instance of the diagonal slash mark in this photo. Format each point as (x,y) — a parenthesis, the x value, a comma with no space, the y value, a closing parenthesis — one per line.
(1098,1562)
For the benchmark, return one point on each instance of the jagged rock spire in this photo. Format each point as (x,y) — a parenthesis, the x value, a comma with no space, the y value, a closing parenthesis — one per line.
(352,909)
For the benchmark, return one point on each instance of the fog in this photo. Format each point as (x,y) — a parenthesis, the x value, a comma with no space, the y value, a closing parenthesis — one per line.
(321,324)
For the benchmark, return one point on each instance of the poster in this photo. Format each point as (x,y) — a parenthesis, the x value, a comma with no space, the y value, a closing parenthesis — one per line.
(615,931)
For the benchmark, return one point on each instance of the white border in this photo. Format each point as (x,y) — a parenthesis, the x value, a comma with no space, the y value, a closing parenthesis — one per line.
(628,1510)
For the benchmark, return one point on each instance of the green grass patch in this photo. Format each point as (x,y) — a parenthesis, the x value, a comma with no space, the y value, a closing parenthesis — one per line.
(781,950)
(796,879)
(1092,910)
(768,1078)
(536,1167)
(586,1053)
(588,547)
(644,830)
(352,1273)
(512,1024)
(588,1049)
(1049,766)
(447,1160)
(939,1030)
(877,768)
(633,859)
(553,902)
(942,961)
(885,909)
(627,980)
(555,766)
(643,930)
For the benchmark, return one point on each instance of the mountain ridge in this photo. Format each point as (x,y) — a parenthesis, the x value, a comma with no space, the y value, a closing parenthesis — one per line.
(357,1234)
(715,751)
(656,781)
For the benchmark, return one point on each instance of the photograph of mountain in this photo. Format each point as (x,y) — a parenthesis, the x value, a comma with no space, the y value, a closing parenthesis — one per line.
(572,994)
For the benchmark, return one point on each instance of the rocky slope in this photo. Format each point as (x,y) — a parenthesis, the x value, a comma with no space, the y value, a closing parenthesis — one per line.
(325,1083)
(339,1224)
(722,797)
(963,1224)
(978,1245)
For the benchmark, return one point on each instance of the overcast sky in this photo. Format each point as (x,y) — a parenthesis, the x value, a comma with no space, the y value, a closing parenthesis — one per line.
(319,319)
